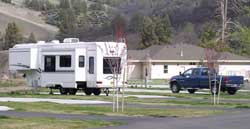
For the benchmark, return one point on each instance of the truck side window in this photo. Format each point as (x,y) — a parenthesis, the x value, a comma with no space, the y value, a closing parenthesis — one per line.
(91,65)
(195,72)
(204,72)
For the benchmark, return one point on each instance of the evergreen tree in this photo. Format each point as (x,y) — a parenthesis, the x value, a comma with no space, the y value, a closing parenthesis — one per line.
(148,34)
(7,1)
(12,36)
(1,41)
(68,26)
(64,4)
(163,29)
(135,24)
(208,34)
(32,38)
(80,7)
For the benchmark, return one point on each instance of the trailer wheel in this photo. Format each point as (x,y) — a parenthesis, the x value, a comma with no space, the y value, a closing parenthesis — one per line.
(88,91)
(97,91)
(63,91)
(72,91)
(231,91)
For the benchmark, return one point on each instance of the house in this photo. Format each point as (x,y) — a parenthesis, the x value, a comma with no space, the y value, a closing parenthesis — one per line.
(165,61)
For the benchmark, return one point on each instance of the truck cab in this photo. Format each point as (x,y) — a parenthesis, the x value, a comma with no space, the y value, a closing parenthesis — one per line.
(204,78)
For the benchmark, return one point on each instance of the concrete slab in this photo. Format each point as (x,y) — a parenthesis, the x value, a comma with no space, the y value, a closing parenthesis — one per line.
(150,96)
(5,108)
(59,101)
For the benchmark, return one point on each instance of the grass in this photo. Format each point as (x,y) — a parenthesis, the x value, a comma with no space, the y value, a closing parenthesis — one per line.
(12,83)
(107,110)
(150,82)
(192,100)
(51,123)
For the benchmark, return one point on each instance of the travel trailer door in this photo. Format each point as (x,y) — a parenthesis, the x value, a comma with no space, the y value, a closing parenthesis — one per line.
(80,65)
(91,70)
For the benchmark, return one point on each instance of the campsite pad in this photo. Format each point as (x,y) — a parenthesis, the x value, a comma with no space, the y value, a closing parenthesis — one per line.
(60,101)
(4,108)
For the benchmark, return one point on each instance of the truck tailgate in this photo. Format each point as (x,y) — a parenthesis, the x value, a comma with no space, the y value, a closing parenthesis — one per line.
(234,80)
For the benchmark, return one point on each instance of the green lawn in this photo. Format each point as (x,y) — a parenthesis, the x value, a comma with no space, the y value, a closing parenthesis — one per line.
(51,123)
(12,83)
(107,110)
(182,99)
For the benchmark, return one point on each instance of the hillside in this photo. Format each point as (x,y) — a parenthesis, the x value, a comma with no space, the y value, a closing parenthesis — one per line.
(28,21)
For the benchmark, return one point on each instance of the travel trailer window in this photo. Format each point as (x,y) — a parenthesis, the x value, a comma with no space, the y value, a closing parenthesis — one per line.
(50,63)
(81,61)
(65,61)
(91,65)
(111,64)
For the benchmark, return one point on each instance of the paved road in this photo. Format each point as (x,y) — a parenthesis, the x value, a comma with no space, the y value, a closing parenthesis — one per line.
(239,120)
(232,121)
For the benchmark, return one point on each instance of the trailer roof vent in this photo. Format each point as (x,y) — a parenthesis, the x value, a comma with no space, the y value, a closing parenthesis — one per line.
(55,41)
(71,40)
(40,42)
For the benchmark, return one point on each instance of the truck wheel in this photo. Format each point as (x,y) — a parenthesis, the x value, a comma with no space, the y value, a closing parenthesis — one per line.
(97,91)
(72,91)
(88,91)
(175,88)
(191,91)
(231,91)
(106,91)
(63,91)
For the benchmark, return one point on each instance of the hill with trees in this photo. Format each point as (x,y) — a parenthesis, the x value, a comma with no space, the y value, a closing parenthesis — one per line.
(148,22)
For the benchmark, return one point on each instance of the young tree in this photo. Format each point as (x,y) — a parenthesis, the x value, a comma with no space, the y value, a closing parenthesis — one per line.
(119,25)
(12,36)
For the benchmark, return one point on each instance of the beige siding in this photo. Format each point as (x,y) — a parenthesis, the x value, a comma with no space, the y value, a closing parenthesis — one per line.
(134,71)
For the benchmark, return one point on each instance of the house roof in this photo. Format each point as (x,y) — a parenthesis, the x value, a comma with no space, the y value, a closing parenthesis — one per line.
(177,52)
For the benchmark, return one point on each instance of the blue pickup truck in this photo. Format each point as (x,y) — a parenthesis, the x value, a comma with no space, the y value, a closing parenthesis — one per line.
(198,78)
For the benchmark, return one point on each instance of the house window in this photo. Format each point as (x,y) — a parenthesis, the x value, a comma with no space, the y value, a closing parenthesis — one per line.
(192,63)
(91,65)
(165,68)
(65,61)
(111,65)
(81,61)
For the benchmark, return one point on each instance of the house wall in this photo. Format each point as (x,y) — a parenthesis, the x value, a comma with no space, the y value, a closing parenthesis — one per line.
(173,70)
(157,70)
(235,69)
(135,71)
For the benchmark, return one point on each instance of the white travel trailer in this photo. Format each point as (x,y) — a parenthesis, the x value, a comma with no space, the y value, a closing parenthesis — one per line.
(70,66)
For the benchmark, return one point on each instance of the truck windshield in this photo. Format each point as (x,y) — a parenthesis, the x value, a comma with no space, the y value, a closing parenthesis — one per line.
(188,72)
(111,65)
